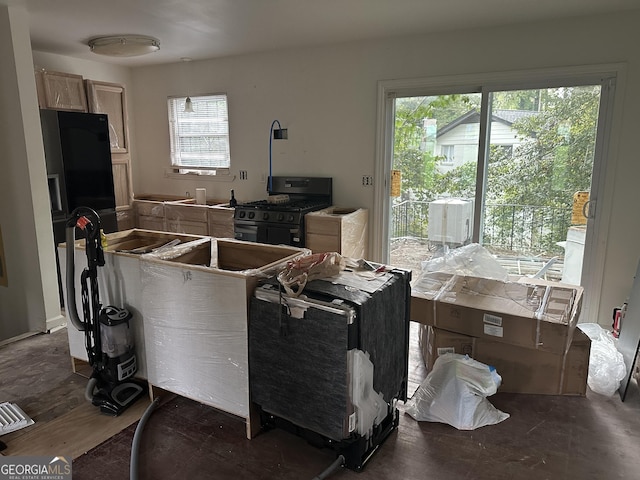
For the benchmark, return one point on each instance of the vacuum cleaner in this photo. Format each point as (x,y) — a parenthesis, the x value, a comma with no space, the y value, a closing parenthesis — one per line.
(107,331)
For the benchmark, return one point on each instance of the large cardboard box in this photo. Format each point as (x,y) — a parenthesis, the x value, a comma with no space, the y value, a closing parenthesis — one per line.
(530,314)
(523,370)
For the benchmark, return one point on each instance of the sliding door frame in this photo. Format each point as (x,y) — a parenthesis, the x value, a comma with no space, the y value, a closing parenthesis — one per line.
(610,76)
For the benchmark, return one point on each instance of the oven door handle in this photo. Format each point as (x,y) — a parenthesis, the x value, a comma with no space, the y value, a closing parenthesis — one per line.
(246,232)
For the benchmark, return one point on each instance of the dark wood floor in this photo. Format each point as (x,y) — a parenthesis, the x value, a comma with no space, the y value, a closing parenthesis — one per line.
(546,437)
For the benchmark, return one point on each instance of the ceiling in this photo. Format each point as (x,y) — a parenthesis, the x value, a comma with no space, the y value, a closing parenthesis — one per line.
(201,29)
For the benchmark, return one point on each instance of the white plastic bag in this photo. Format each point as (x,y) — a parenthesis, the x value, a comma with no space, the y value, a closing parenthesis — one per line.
(298,272)
(471,260)
(455,392)
(606,363)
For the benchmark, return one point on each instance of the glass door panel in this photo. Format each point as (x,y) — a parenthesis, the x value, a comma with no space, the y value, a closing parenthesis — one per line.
(435,151)
(528,188)
(539,161)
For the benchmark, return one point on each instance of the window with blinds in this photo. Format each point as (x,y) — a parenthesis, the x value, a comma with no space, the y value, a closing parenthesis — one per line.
(199,138)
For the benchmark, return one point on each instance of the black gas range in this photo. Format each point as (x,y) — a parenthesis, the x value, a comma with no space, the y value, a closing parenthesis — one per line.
(280,219)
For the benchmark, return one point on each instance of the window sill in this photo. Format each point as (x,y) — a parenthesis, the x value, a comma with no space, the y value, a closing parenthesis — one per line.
(218,177)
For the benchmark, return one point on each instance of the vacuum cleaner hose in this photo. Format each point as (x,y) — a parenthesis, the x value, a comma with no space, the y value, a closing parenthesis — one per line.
(88,392)
(135,445)
(71,308)
(331,468)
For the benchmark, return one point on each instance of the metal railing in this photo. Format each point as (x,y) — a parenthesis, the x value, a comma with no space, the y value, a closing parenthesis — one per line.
(526,229)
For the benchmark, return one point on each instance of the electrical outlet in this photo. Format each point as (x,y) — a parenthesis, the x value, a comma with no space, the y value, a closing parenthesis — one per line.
(243,174)
(263,177)
(367,180)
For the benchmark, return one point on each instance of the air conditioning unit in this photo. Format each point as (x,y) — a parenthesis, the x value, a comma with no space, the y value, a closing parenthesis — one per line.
(450,221)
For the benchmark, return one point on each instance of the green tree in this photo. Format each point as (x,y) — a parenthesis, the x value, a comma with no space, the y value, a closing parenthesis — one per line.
(555,159)
(412,141)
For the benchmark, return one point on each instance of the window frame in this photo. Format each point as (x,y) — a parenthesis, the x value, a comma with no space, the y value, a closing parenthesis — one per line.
(447,152)
(175,104)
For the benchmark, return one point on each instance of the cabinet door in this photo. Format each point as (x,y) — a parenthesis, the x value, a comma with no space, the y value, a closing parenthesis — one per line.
(110,98)
(121,180)
(64,91)
(186,226)
(126,220)
(221,222)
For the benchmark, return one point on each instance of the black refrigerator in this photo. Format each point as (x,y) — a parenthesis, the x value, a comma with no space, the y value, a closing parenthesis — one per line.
(79,173)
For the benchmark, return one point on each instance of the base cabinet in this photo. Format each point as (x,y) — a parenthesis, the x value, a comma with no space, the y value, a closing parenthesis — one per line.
(338,229)
(181,215)
(190,303)
(125,218)
(220,220)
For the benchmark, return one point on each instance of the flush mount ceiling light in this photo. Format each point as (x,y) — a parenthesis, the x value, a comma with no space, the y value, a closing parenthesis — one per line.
(124,45)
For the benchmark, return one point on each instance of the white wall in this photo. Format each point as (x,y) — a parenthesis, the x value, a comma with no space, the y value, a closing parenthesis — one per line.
(30,298)
(326,97)
(316,94)
(30,302)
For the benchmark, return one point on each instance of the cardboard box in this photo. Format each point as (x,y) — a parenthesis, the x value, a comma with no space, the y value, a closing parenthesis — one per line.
(523,370)
(423,295)
(527,313)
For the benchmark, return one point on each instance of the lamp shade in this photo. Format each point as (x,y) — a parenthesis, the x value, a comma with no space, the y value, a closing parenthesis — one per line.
(124,45)
(188,105)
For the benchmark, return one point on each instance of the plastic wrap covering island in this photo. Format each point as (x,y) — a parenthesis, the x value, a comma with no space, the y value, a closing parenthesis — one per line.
(195,301)
(119,282)
(455,392)
(530,313)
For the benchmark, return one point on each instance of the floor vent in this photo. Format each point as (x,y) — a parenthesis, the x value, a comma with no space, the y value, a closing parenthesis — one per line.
(12,418)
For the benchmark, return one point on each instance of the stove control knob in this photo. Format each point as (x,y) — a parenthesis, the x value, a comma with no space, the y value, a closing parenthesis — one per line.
(280,217)
(242,213)
(290,218)
(252,214)
(265,216)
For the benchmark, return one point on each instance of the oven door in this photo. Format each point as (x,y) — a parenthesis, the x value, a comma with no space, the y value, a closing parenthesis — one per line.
(280,235)
(246,232)
(271,233)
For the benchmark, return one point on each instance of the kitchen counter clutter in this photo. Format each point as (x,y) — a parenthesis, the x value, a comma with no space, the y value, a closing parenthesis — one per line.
(190,298)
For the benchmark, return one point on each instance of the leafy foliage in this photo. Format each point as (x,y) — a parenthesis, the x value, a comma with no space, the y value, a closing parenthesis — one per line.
(554,160)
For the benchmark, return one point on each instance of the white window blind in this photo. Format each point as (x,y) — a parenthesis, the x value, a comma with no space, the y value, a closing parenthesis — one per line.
(199,139)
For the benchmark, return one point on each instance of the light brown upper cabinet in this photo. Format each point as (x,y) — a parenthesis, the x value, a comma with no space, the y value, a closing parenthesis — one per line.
(61,91)
(110,98)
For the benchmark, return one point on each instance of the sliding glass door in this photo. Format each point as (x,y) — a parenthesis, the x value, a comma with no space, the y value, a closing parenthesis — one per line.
(508,167)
